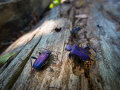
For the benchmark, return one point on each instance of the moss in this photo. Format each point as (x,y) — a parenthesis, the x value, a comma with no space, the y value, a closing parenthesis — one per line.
(15,76)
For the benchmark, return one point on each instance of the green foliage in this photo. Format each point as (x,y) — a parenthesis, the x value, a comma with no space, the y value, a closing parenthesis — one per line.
(5,58)
(54,3)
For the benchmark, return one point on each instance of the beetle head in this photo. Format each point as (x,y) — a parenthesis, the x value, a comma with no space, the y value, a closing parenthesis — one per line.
(48,52)
(68,47)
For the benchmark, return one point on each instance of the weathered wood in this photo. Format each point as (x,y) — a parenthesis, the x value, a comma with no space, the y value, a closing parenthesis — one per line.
(105,40)
(44,32)
(54,41)
(21,12)
(18,45)
(99,31)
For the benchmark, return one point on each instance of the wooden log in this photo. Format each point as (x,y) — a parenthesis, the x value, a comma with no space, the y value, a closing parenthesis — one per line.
(25,16)
(62,73)
(104,38)
(44,36)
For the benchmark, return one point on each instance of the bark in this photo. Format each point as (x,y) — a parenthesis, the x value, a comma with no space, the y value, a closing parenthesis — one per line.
(44,37)
(99,31)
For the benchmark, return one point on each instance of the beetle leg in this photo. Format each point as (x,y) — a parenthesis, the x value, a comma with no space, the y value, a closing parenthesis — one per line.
(70,55)
(33,57)
(39,53)
(87,48)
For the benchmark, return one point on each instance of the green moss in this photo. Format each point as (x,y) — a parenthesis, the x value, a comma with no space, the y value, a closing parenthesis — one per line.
(5,58)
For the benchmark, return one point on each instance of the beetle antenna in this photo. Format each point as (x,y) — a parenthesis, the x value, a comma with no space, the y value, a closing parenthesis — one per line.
(31,63)
(33,57)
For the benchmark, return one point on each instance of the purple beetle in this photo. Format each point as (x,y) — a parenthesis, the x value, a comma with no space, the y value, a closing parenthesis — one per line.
(78,51)
(41,60)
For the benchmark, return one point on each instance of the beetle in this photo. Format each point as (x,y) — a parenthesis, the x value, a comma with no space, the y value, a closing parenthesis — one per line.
(75,30)
(79,52)
(41,60)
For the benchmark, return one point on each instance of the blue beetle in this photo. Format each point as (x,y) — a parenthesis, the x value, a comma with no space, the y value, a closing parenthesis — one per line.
(75,30)
(78,51)
(41,60)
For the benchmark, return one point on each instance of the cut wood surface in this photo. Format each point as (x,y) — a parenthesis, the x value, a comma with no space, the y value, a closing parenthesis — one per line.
(99,31)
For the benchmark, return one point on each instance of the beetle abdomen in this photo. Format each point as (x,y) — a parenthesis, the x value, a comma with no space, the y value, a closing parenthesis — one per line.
(40,61)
